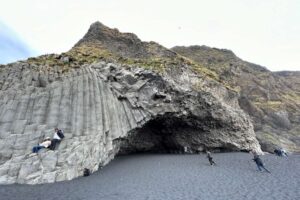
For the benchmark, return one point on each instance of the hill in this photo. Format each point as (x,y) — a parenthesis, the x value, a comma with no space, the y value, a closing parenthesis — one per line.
(272,99)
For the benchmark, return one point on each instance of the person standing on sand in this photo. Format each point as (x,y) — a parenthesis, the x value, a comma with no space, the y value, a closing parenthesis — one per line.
(210,158)
(259,162)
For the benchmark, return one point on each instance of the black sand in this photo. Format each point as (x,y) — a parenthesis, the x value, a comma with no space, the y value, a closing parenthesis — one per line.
(172,177)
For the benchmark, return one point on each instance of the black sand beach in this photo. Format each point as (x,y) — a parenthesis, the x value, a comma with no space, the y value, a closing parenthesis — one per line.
(174,177)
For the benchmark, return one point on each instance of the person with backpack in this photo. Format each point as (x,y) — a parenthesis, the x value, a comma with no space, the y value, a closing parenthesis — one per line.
(86,172)
(57,137)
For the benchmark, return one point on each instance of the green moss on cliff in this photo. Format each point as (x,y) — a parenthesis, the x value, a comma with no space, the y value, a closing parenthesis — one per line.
(89,53)
(269,105)
(270,138)
(294,97)
(156,64)
(75,57)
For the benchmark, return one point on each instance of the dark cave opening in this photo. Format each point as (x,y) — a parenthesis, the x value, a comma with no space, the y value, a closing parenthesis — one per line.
(156,136)
(170,134)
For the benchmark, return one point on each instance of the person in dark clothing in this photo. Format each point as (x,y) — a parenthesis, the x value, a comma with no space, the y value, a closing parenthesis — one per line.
(277,152)
(86,172)
(280,152)
(57,137)
(259,163)
(210,158)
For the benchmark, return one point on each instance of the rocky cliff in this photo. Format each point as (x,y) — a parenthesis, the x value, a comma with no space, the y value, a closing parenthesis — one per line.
(112,94)
(272,99)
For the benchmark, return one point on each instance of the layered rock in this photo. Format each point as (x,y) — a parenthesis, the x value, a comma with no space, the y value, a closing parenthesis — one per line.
(272,99)
(106,106)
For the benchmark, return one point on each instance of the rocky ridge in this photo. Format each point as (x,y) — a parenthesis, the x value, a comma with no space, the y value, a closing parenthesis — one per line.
(126,45)
(272,99)
(108,102)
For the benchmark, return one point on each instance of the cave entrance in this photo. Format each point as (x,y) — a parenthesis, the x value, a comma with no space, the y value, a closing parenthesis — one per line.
(164,134)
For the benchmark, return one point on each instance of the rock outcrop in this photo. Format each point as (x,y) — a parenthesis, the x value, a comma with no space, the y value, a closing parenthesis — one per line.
(272,99)
(122,44)
(109,102)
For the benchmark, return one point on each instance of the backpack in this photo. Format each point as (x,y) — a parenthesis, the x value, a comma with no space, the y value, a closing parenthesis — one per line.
(86,172)
(60,134)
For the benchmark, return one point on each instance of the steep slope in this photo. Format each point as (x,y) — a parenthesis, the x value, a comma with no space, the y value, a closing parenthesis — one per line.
(271,99)
(122,44)
(109,99)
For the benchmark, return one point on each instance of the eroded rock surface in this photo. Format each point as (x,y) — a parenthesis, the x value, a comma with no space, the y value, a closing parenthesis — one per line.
(106,108)
(272,99)
(98,106)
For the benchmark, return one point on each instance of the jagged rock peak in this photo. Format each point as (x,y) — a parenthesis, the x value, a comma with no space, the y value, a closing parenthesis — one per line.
(98,32)
(122,44)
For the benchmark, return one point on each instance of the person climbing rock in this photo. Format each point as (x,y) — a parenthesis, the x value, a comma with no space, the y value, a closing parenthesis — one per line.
(57,137)
(259,163)
(210,158)
(45,144)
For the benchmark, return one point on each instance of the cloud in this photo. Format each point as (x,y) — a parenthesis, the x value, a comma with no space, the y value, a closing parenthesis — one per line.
(12,48)
(263,32)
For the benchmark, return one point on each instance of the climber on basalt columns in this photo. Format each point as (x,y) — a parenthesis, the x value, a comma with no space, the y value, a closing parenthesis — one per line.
(57,137)
(45,144)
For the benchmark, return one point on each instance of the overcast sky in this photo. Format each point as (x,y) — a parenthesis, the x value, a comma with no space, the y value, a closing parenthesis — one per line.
(265,32)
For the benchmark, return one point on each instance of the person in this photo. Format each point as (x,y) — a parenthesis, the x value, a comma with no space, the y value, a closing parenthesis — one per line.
(277,152)
(280,152)
(45,144)
(259,162)
(283,152)
(210,159)
(57,137)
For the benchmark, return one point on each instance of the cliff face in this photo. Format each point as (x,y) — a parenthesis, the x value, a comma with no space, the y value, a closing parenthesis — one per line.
(122,44)
(272,99)
(108,102)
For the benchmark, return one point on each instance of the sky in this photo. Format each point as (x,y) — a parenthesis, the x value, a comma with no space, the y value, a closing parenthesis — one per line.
(265,32)
(11,46)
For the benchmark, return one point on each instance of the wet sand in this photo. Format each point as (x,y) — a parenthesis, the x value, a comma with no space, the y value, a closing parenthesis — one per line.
(174,177)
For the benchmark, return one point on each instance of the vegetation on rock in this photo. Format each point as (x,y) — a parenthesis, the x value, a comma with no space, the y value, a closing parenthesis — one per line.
(274,97)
